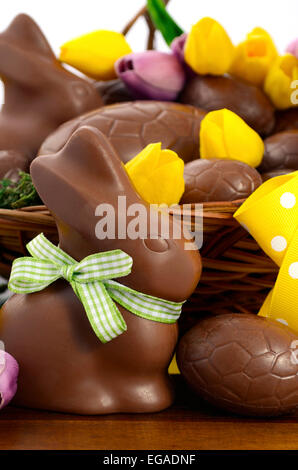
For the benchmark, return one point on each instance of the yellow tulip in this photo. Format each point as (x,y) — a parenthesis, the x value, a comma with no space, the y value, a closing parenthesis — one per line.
(95,54)
(225,135)
(208,48)
(279,80)
(254,56)
(157,175)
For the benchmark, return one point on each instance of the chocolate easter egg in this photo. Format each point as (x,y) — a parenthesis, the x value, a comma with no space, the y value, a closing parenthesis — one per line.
(286,120)
(274,173)
(218,180)
(133,125)
(281,151)
(248,101)
(113,91)
(242,363)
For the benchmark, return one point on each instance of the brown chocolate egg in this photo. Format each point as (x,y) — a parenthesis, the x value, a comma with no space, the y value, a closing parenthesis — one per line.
(133,125)
(113,91)
(274,173)
(242,363)
(218,180)
(286,120)
(246,100)
(281,151)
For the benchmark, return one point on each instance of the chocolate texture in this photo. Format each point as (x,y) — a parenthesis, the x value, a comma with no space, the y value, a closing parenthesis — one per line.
(248,101)
(242,363)
(281,151)
(39,93)
(64,367)
(113,91)
(131,126)
(274,173)
(218,180)
(286,120)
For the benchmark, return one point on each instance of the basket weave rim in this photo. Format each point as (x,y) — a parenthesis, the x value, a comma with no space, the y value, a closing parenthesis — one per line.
(211,209)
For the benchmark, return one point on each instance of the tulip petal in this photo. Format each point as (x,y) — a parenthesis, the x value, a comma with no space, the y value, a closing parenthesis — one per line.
(202,52)
(95,54)
(212,141)
(144,161)
(177,47)
(157,175)
(242,142)
(8,378)
(279,79)
(254,56)
(293,48)
(151,74)
(225,135)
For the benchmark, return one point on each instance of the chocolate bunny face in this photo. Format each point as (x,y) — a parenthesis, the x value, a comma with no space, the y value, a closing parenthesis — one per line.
(64,366)
(86,173)
(39,93)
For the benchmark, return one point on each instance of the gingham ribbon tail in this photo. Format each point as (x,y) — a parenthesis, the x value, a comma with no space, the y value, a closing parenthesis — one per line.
(92,282)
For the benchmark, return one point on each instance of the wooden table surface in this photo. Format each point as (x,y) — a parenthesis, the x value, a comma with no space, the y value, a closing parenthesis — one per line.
(183,426)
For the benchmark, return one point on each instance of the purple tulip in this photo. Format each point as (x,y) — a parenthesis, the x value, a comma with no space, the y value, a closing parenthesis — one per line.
(177,47)
(151,75)
(293,48)
(9,371)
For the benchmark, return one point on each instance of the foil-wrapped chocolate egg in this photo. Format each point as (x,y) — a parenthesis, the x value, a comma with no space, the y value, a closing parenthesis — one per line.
(281,151)
(248,101)
(242,363)
(218,180)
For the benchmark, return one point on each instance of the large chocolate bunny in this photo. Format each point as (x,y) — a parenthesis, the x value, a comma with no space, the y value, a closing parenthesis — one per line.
(39,93)
(63,365)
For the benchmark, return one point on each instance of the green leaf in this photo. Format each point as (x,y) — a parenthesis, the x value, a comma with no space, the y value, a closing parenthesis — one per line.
(163,21)
(22,193)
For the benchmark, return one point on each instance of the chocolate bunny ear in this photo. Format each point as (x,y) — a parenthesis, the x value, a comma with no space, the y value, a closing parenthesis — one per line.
(84,173)
(25,34)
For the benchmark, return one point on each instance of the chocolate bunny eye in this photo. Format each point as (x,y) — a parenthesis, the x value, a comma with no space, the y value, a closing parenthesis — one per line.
(158,245)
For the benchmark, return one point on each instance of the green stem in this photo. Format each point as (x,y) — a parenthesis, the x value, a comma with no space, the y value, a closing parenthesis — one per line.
(163,21)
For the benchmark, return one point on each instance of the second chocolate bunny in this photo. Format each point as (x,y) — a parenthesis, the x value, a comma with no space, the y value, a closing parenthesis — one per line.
(39,93)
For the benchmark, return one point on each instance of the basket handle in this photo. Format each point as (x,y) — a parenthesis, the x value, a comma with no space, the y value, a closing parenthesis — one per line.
(151,28)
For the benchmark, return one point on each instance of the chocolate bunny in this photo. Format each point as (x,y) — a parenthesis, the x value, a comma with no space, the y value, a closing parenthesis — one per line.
(63,365)
(39,93)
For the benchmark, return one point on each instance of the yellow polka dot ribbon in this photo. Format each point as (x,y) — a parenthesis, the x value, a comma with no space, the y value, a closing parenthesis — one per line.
(270,214)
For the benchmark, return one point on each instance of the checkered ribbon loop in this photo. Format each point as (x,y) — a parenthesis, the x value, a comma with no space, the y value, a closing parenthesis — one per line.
(92,282)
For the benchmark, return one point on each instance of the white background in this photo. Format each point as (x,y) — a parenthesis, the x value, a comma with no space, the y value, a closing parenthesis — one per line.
(62,20)
(65,19)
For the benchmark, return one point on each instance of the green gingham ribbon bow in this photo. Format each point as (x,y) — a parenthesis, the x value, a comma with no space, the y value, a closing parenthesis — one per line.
(91,280)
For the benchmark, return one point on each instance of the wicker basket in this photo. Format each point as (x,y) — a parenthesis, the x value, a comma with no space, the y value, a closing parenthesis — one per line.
(236,273)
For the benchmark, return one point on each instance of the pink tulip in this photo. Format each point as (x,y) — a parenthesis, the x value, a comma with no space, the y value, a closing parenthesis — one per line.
(9,371)
(151,75)
(293,48)
(177,47)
